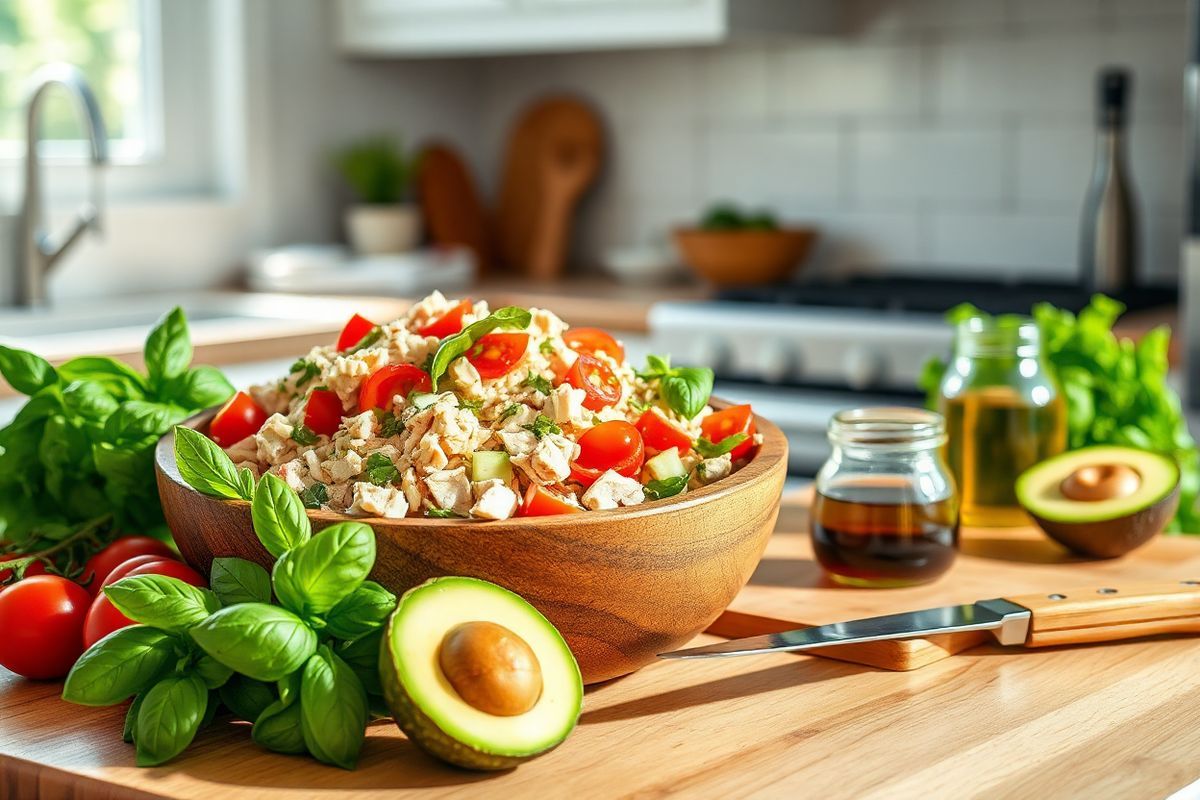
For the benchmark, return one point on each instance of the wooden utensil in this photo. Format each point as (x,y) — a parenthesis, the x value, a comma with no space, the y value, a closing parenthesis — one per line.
(450,203)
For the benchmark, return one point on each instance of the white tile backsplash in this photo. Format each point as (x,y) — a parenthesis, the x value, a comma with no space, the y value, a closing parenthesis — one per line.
(824,79)
(750,164)
(898,165)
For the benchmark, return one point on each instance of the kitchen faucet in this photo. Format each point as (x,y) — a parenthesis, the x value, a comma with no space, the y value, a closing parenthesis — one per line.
(37,250)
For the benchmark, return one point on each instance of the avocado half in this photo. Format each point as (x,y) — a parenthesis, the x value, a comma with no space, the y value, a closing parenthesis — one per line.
(1106,527)
(429,709)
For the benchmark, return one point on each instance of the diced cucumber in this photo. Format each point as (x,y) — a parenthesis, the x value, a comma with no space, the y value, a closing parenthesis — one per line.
(489,464)
(422,400)
(666,465)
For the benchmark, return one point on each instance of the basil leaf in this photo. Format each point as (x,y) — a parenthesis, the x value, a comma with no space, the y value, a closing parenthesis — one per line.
(369,338)
(364,610)
(204,466)
(306,369)
(120,665)
(656,367)
(441,513)
(686,390)
(667,487)
(380,470)
(131,719)
(212,672)
(538,383)
(199,387)
(168,348)
(304,435)
(118,378)
(509,410)
(279,728)
(167,722)
(259,641)
(26,372)
(161,601)
(89,400)
(708,449)
(315,496)
(457,345)
(246,697)
(213,704)
(247,480)
(235,580)
(333,709)
(542,425)
(314,577)
(279,517)
(362,656)
(139,419)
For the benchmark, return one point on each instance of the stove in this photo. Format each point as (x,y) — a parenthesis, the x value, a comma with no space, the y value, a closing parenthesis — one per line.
(799,352)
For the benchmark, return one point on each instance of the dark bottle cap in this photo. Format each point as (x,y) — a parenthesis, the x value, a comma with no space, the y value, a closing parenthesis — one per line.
(1114,84)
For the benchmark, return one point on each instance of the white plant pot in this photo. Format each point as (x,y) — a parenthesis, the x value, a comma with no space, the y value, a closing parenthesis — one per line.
(376,230)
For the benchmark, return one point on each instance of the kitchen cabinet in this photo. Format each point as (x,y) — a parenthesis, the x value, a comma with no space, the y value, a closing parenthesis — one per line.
(492,27)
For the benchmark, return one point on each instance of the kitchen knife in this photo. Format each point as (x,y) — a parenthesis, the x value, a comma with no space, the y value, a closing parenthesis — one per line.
(1072,617)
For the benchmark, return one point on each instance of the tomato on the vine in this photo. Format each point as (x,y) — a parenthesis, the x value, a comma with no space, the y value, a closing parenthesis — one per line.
(541,502)
(593,340)
(449,323)
(614,445)
(128,566)
(600,386)
(660,434)
(727,422)
(497,354)
(42,619)
(355,329)
(120,550)
(323,412)
(237,419)
(385,383)
(103,617)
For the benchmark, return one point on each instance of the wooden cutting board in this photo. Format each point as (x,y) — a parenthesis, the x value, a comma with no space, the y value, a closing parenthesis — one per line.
(790,591)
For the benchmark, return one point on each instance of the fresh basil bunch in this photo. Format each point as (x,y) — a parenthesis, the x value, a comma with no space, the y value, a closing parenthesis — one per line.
(81,448)
(295,651)
(685,390)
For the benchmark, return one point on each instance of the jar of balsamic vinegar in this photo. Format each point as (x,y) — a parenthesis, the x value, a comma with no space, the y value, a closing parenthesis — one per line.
(886,508)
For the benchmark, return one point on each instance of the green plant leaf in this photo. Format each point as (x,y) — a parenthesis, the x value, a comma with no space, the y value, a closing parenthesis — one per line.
(667,487)
(118,378)
(333,709)
(687,389)
(131,719)
(362,656)
(26,372)
(709,449)
(205,467)
(235,580)
(279,517)
(170,715)
(138,420)
(168,348)
(212,672)
(452,347)
(364,610)
(89,400)
(199,387)
(161,601)
(246,697)
(542,426)
(315,496)
(122,664)
(380,470)
(259,641)
(316,576)
(279,728)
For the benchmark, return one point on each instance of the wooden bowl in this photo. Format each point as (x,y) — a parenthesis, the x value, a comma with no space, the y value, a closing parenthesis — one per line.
(620,585)
(741,258)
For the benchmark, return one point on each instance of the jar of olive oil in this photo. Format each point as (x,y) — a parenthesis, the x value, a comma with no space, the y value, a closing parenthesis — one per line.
(1003,414)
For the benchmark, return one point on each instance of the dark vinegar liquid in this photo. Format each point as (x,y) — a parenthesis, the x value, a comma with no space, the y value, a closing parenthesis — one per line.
(870,535)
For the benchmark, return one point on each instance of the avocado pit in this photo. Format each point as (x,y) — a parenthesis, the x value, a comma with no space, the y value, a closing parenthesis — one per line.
(1095,482)
(491,668)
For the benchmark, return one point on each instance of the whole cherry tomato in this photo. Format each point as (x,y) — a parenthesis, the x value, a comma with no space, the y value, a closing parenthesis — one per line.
(385,383)
(449,323)
(42,619)
(126,567)
(727,422)
(659,433)
(103,617)
(600,386)
(323,412)
(98,567)
(34,568)
(237,419)
(498,354)
(541,502)
(355,329)
(614,445)
(593,340)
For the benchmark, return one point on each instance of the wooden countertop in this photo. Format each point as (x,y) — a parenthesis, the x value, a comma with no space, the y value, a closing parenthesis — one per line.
(1117,720)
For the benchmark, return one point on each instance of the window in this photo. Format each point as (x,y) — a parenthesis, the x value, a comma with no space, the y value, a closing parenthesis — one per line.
(108,40)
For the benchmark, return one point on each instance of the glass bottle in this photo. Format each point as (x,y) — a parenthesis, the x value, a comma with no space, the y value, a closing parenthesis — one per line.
(1109,234)
(885,512)
(1003,414)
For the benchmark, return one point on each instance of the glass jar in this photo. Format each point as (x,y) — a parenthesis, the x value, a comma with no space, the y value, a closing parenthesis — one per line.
(885,512)
(1003,414)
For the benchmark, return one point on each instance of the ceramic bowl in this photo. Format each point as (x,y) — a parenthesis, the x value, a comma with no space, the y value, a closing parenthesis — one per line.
(743,258)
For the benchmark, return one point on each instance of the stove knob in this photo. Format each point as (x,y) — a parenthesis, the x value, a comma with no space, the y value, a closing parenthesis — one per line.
(862,367)
(709,351)
(774,361)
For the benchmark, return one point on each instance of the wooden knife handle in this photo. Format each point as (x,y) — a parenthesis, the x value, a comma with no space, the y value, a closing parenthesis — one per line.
(1106,613)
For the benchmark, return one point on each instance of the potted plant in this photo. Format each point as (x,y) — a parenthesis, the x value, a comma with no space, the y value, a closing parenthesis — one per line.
(380,175)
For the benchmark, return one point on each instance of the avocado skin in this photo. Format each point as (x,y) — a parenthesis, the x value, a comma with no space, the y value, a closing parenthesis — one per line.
(1113,537)
(425,733)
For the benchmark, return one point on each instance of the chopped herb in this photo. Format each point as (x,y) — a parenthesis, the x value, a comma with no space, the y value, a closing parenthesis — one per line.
(710,450)
(372,336)
(442,513)
(539,383)
(546,347)
(304,435)
(667,487)
(321,388)
(306,369)
(390,425)
(315,496)
(542,426)
(380,469)
(474,406)
(509,410)
(638,405)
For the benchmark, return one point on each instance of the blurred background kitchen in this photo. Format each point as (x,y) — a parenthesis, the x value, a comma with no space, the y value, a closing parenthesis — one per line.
(790,191)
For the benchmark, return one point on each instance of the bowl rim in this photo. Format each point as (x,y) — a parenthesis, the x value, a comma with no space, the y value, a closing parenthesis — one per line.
(767,459)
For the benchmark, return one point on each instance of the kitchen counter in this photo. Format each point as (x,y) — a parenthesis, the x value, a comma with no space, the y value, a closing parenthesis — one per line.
(1116,720)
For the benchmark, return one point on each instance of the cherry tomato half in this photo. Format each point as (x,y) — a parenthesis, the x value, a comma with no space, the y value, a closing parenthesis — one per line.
(323,412)
(449,323)
(597,380)
(659,433)
(237,419)
(128,566)
(498,353)
(614,445)
(398,379)
(42,619)
(103,617)
(593,340)
(356,328)
(541,502)
(727,422)
(98,567)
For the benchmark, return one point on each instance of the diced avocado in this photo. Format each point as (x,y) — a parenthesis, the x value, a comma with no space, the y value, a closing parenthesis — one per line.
(422,400)
(666,465)
(487,465)
(476,676)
